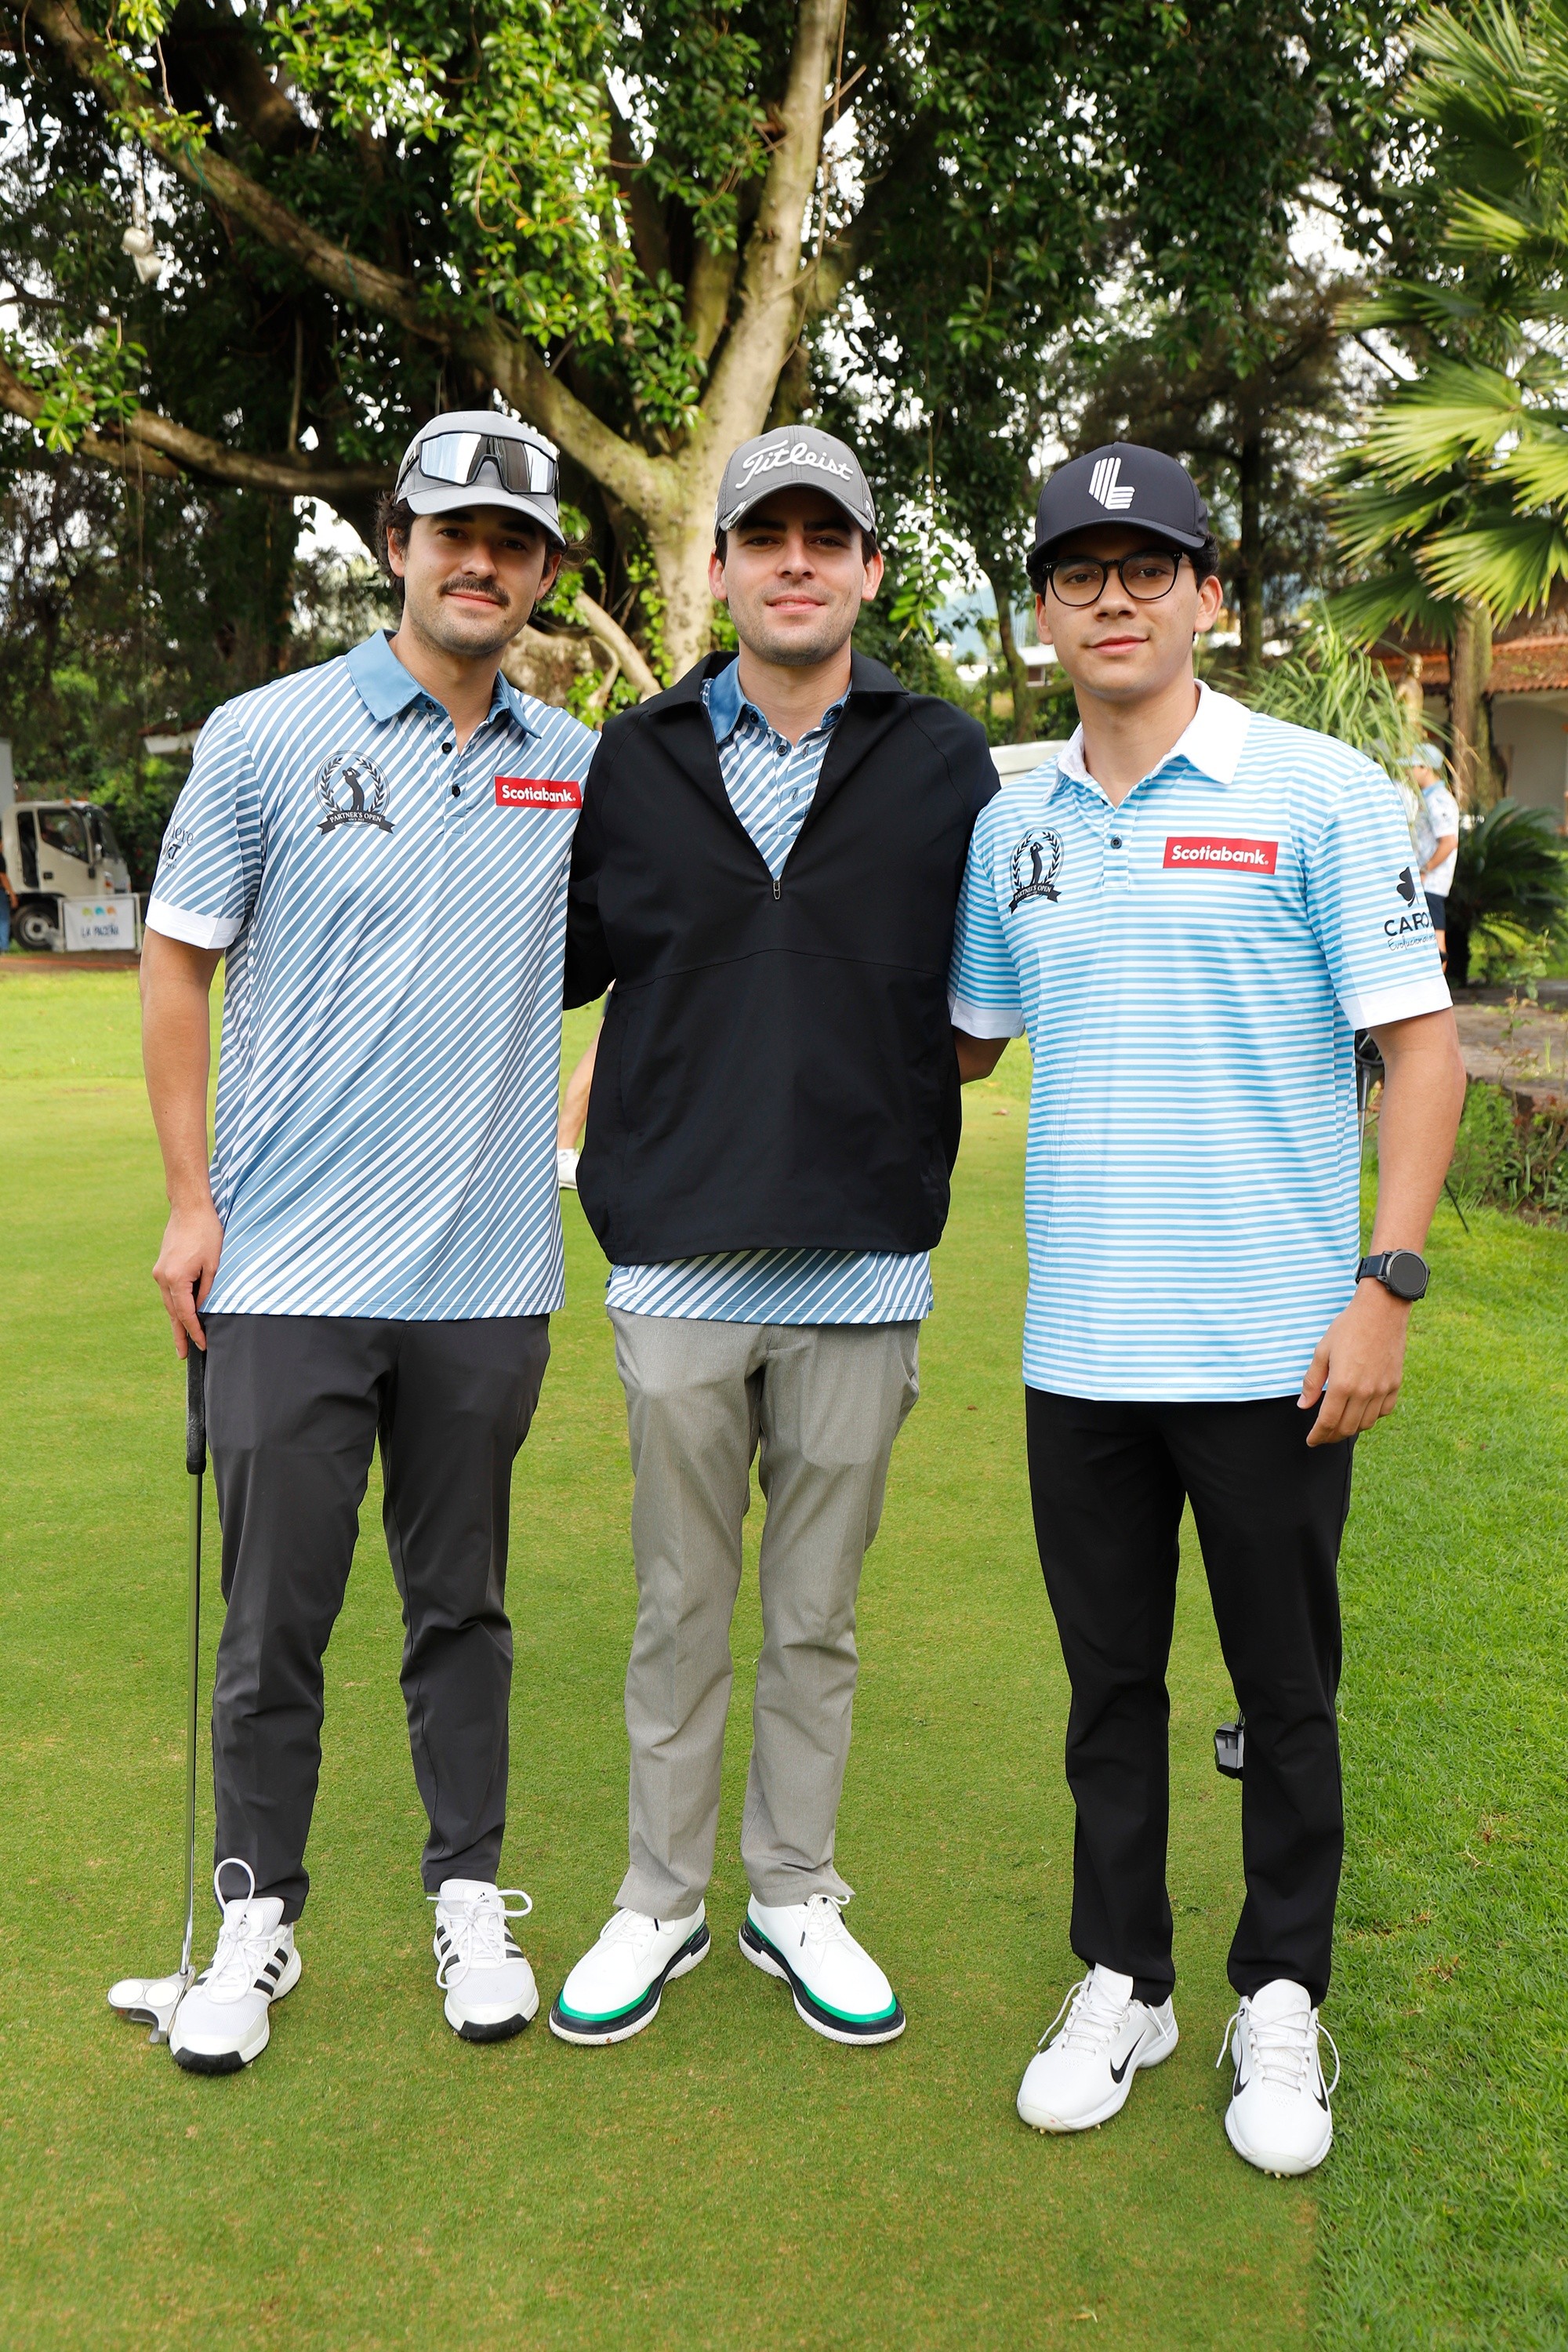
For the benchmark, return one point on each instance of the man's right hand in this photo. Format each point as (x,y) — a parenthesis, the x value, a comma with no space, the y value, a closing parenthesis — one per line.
(185,1269)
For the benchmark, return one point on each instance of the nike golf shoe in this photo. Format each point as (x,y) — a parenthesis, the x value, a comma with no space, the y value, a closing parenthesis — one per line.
(489,1988)
(838,1990)
(1084,2075)
(223,2022)
(1278,2117)
(616,1986)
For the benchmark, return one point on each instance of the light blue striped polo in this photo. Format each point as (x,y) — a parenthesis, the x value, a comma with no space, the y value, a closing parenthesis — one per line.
(772,783)
(394,915)
(1190,967)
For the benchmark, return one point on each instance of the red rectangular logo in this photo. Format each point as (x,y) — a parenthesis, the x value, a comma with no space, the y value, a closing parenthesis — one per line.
(1211,853)
(538,791)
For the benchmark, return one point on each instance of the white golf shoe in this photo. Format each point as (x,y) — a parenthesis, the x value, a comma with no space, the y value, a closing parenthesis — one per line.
(222,2025)
(489,1988)
(1085,2076)
(839,1991)
(616,1986)
(1278,2117)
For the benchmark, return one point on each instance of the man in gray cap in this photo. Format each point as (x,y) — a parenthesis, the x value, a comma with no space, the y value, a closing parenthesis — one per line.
(375,1248)
(767,869)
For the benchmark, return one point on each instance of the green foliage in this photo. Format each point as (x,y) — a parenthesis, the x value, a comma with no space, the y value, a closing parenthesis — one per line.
(1511,877)
(1507,1159)
(84,386)
(1332,685)
(1458,491)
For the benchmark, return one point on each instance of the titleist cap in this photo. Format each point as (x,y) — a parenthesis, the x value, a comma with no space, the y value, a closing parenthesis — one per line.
(793,455)
(1123,483)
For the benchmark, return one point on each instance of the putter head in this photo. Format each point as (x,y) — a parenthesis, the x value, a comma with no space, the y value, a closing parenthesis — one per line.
(150,2001)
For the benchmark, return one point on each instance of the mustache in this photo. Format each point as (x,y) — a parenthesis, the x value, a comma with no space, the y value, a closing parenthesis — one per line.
(463,586)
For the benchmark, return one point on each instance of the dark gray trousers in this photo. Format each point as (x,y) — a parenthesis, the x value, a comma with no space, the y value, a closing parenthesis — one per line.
(295,1404)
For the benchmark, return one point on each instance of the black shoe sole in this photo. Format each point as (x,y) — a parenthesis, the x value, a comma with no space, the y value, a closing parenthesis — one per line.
(630,2021)
(506,2031)
(810,2011)
(202,2062)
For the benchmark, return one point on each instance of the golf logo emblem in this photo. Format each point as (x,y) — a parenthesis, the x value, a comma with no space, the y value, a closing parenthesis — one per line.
(1036,863)
(352,791)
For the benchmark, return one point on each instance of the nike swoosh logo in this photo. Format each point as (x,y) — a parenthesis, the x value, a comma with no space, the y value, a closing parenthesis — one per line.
(1118,2073)
(1321,2097)
(1240,2086)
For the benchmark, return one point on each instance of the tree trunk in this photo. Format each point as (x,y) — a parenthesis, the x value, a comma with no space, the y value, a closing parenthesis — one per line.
(1470,675)
(680,540)
(1017,669)
(1251,472)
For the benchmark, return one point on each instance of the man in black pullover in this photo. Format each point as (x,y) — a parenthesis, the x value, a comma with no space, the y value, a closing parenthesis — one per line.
(767,867)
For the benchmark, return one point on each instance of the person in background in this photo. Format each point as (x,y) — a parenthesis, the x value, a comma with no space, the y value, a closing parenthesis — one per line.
(1191,912)
(1436,836)
(7,905)
(573,1117)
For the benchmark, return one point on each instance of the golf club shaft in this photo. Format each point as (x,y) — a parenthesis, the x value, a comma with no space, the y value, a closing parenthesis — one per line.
(195,1464)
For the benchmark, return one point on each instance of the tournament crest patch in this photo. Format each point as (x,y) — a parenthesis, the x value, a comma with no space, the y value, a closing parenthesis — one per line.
(1035,863)
(352,791)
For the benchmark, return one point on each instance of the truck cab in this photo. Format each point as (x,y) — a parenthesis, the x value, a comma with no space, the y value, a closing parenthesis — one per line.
(72,885)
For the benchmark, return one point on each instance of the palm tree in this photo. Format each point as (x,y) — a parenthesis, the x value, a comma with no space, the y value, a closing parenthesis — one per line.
(1458,492)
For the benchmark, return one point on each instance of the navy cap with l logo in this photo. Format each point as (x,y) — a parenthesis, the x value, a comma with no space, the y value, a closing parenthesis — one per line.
(1123,483)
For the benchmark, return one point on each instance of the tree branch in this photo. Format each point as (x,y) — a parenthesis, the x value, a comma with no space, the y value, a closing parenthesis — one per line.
(149,443)
(647,484)
(611,634)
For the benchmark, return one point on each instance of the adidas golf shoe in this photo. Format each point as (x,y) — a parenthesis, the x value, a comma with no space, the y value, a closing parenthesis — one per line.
(489,1988)
(222,2025)
(1084,2076)
(1278,2117)
(839,1991)
(616,1986)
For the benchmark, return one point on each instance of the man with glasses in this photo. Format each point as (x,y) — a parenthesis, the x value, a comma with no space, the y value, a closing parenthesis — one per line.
(379,848)
(1191,913)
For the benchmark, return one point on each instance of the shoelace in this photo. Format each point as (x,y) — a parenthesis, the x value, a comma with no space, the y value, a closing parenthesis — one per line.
(633,1927)
(478,1929)
(243,1948)
(1284,2049)
(824,1921)
(1091,2023)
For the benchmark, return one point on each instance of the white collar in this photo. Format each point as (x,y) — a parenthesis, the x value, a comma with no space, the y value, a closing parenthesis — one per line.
(1212,742)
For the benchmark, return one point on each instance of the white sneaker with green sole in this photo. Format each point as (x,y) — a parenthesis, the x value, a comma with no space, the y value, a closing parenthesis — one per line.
(839,1991)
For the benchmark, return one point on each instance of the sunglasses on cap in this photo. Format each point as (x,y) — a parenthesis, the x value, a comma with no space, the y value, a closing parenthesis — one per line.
(525,468)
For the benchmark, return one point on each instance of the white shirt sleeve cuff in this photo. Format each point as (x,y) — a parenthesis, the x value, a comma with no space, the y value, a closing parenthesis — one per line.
(1402,1004)
(196,930)
(981,1021)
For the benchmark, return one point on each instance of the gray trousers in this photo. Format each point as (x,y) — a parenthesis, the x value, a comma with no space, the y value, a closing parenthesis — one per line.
(295,1404)
(824,1403)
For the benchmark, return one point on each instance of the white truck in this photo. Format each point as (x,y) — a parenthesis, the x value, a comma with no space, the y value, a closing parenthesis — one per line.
(72,885)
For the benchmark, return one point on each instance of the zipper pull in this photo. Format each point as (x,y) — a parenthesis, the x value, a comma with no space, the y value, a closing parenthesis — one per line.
(778,884)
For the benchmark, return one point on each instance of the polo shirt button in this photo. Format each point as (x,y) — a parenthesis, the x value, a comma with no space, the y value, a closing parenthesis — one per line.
(446,746)
(1116,840)
(457,792)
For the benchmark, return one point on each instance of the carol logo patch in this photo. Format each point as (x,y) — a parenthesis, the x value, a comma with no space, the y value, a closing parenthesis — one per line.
(1208,852)
(538,791)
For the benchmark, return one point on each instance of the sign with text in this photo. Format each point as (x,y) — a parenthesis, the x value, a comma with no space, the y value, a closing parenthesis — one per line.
(100,923)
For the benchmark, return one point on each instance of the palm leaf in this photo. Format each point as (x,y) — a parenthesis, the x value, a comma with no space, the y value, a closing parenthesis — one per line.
(1507,564)
(1539,466)
(1368,518)
(1457,409)
(1399,597)
(1512,864)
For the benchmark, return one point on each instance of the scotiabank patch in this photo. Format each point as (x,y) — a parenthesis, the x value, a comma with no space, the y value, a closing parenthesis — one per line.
(1209,853)
(538,791)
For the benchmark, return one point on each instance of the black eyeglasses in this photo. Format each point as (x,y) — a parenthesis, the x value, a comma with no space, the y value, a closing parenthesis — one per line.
(526,468)
(1149,573)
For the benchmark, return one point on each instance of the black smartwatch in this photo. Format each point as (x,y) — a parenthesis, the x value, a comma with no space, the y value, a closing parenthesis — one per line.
(1405,1273)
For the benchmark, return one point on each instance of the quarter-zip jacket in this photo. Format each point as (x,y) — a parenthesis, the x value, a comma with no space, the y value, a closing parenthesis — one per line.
(777,1069)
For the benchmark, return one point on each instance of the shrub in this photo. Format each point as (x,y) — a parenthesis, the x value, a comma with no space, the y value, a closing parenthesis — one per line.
(1509,1159)
(1510,892)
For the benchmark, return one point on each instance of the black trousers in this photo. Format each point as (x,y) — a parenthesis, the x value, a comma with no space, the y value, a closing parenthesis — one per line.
(1108,1483)
(295,1404)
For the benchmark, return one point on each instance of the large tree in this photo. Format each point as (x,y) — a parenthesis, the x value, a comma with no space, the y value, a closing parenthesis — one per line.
(620,226)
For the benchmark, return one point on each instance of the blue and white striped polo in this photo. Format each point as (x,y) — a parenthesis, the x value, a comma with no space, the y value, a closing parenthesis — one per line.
(772,783)
(394,915)
(1190,967)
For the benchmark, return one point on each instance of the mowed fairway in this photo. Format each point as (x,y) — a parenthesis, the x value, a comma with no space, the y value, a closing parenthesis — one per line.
(727,2178)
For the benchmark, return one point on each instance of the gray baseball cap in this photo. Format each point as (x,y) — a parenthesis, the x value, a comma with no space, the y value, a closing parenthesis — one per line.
(474,457)
(790,456)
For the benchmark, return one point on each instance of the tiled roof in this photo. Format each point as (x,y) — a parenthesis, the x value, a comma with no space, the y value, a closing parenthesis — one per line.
(1525,666)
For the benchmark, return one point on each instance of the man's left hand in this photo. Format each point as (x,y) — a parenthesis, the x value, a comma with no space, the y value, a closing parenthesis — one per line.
(1358,1366)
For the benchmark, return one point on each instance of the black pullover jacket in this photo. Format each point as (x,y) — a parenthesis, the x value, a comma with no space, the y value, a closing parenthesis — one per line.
(777,1069)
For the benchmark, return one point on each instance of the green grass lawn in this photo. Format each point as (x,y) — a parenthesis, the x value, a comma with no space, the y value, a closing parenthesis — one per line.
(727,2178)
